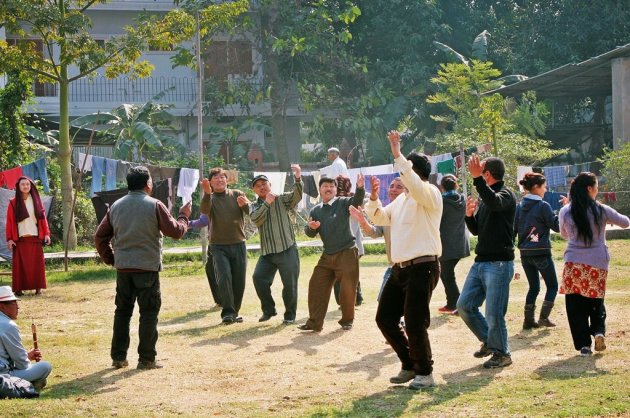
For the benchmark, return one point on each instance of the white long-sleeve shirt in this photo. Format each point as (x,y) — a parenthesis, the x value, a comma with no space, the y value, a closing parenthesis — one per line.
(414,216)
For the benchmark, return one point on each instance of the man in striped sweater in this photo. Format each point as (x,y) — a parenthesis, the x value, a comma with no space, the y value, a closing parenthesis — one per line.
(278,250)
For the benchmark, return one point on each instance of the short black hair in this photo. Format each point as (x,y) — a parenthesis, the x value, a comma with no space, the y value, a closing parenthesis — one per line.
(138,177)
(421,164)
(495,167)
(327,180)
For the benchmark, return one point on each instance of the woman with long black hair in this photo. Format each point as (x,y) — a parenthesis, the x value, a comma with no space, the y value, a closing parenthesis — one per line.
(583,223)
(27,229)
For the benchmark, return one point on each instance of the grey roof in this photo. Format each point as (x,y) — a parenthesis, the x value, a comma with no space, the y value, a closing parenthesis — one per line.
(592,77)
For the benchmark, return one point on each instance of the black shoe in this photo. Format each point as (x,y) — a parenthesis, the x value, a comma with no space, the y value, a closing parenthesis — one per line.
(228,320)
(288,322)
(238,319)
(483,351)
(19,293)
(265,317)
(498,360)
(359,302)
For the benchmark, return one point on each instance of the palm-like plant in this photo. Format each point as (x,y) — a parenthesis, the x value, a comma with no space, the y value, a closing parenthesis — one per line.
(136,129)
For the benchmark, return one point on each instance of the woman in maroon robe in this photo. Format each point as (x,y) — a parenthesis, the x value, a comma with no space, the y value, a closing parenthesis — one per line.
(27,229)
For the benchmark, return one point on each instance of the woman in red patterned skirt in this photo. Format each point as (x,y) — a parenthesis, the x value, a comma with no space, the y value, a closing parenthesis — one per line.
(27,229)
(583,223)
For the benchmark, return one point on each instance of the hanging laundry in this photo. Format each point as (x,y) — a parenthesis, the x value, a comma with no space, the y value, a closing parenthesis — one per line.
(556,175)
(188,181)
(232,176)
(609,197)
(446,166)
(435,159)
(553,198)
(277,180)
(520,173)
(111,167)
(8,178)
(98,169)
(37,171)
(308,185)
(122,168)
(384,181)
(84,163)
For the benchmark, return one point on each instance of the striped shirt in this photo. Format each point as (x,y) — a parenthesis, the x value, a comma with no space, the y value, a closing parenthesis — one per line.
(273,222)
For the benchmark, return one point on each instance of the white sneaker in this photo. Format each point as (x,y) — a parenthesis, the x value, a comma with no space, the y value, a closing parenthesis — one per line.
(420,382)
(600,342)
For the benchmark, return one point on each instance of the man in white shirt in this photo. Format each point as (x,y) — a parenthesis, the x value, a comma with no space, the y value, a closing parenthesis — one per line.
(414,218)
(338,165)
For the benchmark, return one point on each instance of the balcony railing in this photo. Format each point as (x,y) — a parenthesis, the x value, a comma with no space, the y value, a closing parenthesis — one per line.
(128,90)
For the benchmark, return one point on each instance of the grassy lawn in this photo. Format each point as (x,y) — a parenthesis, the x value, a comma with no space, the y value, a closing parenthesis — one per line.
(269,370)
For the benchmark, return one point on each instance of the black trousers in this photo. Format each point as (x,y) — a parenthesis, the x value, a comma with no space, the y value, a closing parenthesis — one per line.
(447,274)
(212,279)
(587,316)
(288,263)
(145,288)
(230,266)
(407,293)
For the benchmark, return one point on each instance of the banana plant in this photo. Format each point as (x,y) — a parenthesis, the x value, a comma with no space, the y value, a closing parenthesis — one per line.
(135,128)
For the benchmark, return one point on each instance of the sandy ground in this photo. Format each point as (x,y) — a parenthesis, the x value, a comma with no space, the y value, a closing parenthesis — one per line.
(268,369)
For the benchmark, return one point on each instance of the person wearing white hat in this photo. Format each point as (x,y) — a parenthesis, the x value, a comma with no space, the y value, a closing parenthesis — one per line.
(14,359)
(337,163)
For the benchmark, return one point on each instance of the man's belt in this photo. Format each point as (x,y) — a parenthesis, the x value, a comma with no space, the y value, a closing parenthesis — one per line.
(417,260)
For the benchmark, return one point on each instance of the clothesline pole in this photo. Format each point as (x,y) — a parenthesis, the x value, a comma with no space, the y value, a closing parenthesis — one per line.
(203,233)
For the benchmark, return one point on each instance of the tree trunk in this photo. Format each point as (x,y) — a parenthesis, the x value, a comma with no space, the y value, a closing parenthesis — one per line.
(63,157)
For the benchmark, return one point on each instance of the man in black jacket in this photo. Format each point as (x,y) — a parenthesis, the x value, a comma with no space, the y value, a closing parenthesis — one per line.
(489,277)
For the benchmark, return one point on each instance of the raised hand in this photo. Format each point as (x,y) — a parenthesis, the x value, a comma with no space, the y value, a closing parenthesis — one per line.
(394,142)
(356,213)
(205,185)
(186,210)
(360,181)
(297,170)
(475,166)
(376,185)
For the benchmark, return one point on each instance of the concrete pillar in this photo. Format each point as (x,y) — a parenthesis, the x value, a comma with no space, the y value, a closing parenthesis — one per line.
(621,101)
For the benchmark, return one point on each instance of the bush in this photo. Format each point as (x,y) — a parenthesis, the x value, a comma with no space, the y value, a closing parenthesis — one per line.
(84,219)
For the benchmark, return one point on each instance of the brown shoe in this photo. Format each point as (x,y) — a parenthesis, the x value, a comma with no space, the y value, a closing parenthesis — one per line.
(307,327)
(120,364)
(148,365)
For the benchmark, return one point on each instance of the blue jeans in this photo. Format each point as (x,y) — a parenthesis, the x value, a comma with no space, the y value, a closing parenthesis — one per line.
(489,281)
(543,264)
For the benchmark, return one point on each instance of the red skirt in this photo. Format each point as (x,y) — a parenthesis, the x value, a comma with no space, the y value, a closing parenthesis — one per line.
(28,268)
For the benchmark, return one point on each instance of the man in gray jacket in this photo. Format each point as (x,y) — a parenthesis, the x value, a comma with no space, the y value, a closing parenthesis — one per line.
(130,238)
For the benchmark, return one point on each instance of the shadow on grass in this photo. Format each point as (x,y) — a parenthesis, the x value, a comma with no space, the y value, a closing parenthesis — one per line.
(371,363)
(394,401)
(102,381)
(571,368)
(190,316)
